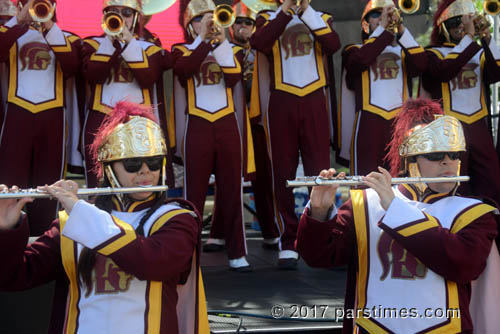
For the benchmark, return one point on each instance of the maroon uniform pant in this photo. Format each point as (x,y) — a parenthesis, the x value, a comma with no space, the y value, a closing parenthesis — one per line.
(370,143)
(32,154)
(262,190)
(480,162)
(296,124)
(92,124)
(215,147)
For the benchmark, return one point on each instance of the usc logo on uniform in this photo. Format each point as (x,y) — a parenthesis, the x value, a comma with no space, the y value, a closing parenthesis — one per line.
(109,277)
(210,72)
(404,264)
(296,41)
(121,73)
(466,78)
(35,56)
(386,67)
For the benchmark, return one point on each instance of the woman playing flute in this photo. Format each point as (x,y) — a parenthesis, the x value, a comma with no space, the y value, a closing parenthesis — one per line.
(129,263)
(413,248)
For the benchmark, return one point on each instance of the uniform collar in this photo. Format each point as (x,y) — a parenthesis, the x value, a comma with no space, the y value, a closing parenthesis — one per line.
(411,192)
(134,206)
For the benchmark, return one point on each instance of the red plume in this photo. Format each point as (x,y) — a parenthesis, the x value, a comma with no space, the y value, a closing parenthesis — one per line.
(119,115)
(414,112)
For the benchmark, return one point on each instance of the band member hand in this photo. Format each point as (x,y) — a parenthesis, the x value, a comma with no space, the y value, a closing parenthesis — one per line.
(24,16)
(381,183)
(323,197)
(468,24)
(304,4)
(10,209)
(287,4)
(65,191)
(207,25)
(386,17)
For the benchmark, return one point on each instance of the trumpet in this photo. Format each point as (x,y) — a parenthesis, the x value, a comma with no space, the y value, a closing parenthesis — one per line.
(224,16)
(409,6)
(42,11)
(491,7)
(395,21)
(310,181)
(35,193)
(481,23)
(112,24)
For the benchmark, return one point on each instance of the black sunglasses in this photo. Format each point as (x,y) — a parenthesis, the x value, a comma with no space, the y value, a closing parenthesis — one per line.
(453,23)
(133,165)
(125,12)
(245,21)
(439,156)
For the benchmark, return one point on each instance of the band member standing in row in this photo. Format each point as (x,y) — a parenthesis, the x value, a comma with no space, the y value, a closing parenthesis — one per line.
(241,30)
(411,246)
(7,11)
(375,84)
(40,57)
(118,67)
(212,127)
(459,73)
(295,41)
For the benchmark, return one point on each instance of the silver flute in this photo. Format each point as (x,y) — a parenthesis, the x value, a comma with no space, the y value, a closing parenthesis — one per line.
(310,181)
(35,193)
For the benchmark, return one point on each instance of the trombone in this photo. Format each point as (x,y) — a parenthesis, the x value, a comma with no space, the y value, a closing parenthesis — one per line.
(491,7)
(310,181)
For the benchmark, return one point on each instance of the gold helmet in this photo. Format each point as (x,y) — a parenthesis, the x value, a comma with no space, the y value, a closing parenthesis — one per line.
(240,10)
(197,8)
(7,8)
(371,6)
(134,4)
(456,8)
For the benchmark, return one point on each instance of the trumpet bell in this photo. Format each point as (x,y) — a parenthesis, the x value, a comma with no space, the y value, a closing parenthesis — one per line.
(151,7)
(41,11)
(112,24)
(491,7)
(409,6)
(224,16)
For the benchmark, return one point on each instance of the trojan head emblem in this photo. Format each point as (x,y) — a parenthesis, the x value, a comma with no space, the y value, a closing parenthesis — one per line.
(35,56)
(466,78)
(122,73)
(403,264)
(386,67)
(109,277)
(297,41)
(210,72)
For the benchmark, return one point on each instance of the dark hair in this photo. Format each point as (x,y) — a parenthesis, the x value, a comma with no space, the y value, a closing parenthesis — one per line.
(87,259)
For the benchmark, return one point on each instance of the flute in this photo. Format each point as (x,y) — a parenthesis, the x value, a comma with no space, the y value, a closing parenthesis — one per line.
(309,181)
(35,193)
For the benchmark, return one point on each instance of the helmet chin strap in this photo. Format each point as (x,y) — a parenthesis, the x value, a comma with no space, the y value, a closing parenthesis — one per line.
(114,183)
(445,32)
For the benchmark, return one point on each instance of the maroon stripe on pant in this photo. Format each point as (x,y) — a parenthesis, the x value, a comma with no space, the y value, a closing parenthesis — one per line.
(32,154)
(216,148)
(296,124)
(92,124)
(372,136)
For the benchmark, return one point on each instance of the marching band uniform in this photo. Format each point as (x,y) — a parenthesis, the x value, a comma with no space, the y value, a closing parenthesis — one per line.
(7,11)
(460,75)
(421,254)
(290,92)
(142,282)
(212,129)
(375,83)
(262,185)
(116,71)
(35,118)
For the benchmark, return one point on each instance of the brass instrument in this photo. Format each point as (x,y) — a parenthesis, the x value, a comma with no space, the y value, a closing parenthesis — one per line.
(112,24)
(409,6)
(42,11)
(491,7)
(481,23)
(35,193)
(395,21)
(151,7)
(310,181)
(224,16)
